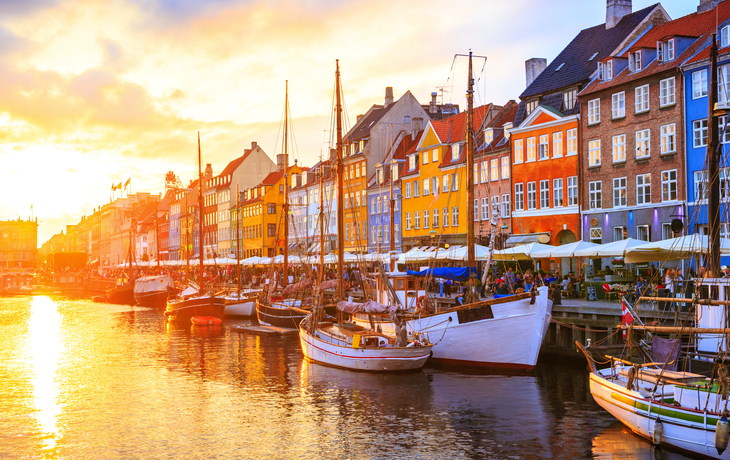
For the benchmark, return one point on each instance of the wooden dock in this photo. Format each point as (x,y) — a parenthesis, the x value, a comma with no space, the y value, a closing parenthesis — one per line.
(263,330)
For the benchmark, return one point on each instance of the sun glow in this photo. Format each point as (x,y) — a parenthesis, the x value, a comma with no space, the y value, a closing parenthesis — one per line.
(45,347)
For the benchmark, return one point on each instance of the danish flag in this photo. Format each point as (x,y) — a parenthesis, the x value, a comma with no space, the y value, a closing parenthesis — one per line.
(626,315)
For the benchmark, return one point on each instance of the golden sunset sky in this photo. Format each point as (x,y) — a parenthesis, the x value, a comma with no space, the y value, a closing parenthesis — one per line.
(95,92)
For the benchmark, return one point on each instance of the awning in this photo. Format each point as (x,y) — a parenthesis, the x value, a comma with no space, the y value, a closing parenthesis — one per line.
(526,238)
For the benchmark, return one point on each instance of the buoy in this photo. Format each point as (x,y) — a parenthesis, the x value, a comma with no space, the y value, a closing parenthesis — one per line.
(722,431)
(658,433)
(205,320)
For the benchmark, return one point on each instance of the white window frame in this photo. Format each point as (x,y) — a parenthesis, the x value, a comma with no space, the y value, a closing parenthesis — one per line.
(668,139)
(505,206)
(544,194)
(643,143)
(505,167)
(476,209)
(666,92)
(643,229)
(699,133)
(573,191)
(619,148)
(641,99)
(701,184)
(531,149)
(426,219)
(485,209)
(494,170)
(700,87)
(531,195)
(594,153)
(669,185)
(408,189)
(618,105)
(518,151)
(435,218)
(594,195)
(620,232)
(558,144)
(519,196)
(558,192)
(455,216)
(643,189)
(620,194)
(484,171)
(594,111)
(446,217)
(543,149)
(572,142)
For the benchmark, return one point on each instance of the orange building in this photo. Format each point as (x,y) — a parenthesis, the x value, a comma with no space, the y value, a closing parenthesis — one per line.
(545,174)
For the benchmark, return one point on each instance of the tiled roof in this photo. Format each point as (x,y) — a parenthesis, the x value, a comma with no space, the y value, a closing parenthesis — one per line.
(506,115)
(234,164)
(273,178)
(362,130)
(456,132)
(577,68)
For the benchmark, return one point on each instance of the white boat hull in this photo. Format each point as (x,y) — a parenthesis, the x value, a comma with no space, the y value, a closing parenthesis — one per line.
(363,359)
(242,307)
(510,340)
(685,429)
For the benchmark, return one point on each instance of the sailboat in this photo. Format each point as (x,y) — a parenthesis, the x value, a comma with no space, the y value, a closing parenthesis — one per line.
(346,345)
(683,410)
(196,302)
(153,290)
(504,333)
(123,292)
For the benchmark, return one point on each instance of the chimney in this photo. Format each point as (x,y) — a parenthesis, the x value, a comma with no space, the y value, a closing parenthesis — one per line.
(615,10)
(253,144)
(706,5)
(333,154)
(533,68)
(280,162)
(208,170)
(388,95)
(417,126)
(432,107)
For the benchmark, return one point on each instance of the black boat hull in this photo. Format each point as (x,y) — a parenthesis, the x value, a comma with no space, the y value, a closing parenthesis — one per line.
(184,310)
(278,316)
(121,295)
(155,299)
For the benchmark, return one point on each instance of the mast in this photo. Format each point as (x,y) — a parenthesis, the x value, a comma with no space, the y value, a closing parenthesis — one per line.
(340,189)
(200,213)
(238,240)
(471,262)
(187,239)
(157,241)
(285,276)
(321,223)
(713,206)
(392,218)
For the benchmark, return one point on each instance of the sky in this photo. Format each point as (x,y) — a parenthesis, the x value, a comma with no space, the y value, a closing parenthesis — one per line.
(96,92)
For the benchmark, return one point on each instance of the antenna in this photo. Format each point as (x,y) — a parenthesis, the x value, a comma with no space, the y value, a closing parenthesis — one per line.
(442,90)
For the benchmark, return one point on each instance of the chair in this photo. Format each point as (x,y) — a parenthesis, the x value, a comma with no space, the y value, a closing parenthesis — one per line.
(608,292)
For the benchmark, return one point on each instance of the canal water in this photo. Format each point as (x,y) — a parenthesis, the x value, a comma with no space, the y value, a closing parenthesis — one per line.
(95,381)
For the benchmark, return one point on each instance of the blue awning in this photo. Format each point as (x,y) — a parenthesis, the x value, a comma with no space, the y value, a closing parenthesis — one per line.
(448,273)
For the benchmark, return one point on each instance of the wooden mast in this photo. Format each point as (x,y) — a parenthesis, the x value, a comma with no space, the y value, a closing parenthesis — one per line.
(340,191)
(238,240)
(157,240)
(713,169)
(471,257)
(392,215)
(321,223)
(200,214)
(285,276)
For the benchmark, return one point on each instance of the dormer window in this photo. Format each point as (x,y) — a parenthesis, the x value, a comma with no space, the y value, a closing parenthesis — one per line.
(380,176)
(488,136)
(605,70)
(361,145)
(665,50)
(455,152)
(394,172)
(593,56)
(635,61)
(411,162)
(569,99)
(531,106)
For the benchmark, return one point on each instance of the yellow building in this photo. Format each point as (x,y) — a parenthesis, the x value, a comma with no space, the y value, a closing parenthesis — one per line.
(433,184)
(262,231)
(355,198)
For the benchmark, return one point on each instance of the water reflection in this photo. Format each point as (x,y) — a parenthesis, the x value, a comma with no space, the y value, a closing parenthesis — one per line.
(617,441)
(45,348)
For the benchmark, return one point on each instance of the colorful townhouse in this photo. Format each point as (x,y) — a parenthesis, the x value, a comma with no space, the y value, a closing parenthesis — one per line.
(433,181)
(355,200)
(546,167)
(492,176)
(696,81)
(384,185)
(633,133)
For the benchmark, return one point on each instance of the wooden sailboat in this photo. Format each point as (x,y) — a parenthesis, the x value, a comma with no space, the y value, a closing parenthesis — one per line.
(123,292)
(346,345)
(682,410)
(240,303)
(184,308)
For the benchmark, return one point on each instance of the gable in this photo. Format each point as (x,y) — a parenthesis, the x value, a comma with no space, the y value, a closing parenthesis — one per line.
(429,138)
(543,118)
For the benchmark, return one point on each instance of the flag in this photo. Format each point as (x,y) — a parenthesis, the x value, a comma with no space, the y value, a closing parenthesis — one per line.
(626,317)
(126,184)
(113,187)
(119,186)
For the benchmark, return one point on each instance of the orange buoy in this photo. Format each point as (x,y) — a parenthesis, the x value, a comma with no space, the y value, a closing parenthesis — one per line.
(205,320)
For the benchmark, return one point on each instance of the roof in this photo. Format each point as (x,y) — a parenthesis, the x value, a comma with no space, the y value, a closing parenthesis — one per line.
(406,144)
(506,115)
(273,178)
(234,164)
(577,67)
(454,130)
(362,129)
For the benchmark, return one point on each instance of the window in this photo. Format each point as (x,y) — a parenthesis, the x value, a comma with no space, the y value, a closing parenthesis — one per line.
(667,231)
(531,153)
(641,99)
(408,221)
(596,235)
(347,230)
(668,139)
(425,157)
(488,136)
(373,206)
(594,111)
(573,191)
(445,183)
(519,197)
(485,208)
(435,154)
(643,143)
(724,36)
(619,233)
(666,92)
(723,129)
(594,153)
(635,61)
(700,182)
(544,194)
(699,84)
(543,150)
(618,105)
(665,50)
(455,216)
(518,150)
(699,133)
(446,217)
(642,232)
(557,145)
(476,209)
(271,208)
(558,192)
(408,189)
(619,148)
(426,183)
(722,83)
(605,70)
(484,171)
(411,162)
(531,106)
(572,137)
(643,189)
(416,188)
(531,196)
(396,229)
(619,192)
(494,170)
(426,220)
(435,187)
(495,203)
(669,185)
(476,173)
(569,99)
(435,218)
(505,167)
(270,229)
(505,206)
(454,182)
(594,195)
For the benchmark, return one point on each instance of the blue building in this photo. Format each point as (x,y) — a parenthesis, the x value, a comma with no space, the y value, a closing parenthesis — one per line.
(696,88)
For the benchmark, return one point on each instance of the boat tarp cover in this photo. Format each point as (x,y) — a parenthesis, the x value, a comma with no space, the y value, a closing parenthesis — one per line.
(294,288)
(663,350)
(370,306)
(329,284)
(447,273)
(152,284)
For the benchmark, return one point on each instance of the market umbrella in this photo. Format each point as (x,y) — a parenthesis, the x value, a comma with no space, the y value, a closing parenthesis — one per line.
(682,247)
(522,252)
(565,250)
